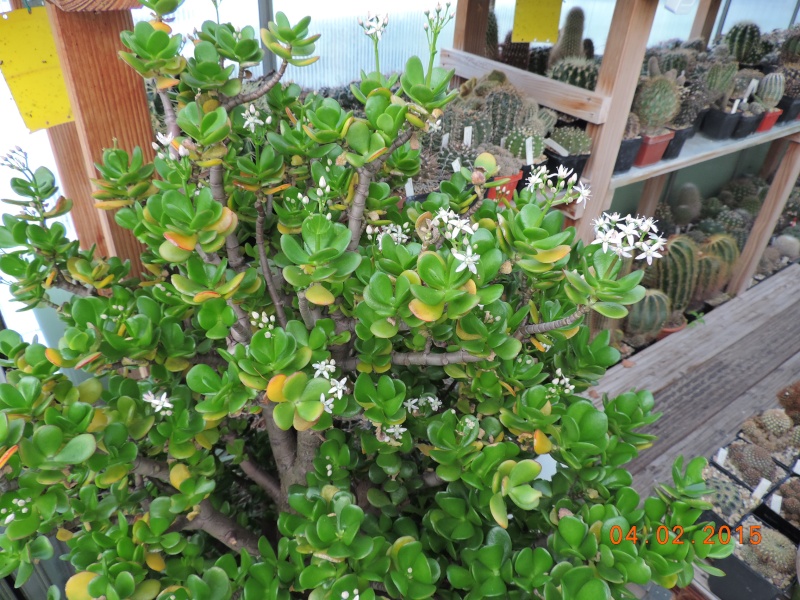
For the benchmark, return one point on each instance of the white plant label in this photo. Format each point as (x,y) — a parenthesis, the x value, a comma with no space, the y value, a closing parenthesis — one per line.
(761,489)
(775,503)
(556,147)
(468,136)
(445,140)
(529,150)
(503,142)
(796,468)
(456,165)
(751,89)
(721,457)
(735,106)
(409,187)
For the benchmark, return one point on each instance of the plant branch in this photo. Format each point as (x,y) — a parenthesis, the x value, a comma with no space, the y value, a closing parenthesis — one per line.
(211,359)
(550,325)
(74,288)
(310,315)
(262,257)
(262,479)
(170,119)
(216,181)
(261,90)
(425,359)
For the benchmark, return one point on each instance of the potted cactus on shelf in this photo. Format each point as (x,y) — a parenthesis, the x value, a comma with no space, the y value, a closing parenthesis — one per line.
(577,71)
(656,103)
(629,147)
(694,100)
(790,103)
(647,318)
(721,120)
(568,148)
(744,43)
(675,275)
(770,91)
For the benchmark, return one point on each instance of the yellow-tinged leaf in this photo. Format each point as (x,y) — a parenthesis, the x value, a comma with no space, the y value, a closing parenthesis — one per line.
(164,83)
(275,190)
(425,312)
(87,359)
(49,281)
(510,389)
(470,287)
(538,345)
(212,162)
(155,561)
(184,242)
(249,187)
(206,439)
(210,105)
(541,443)
(547,409)
(275,388)
(147,590)
(62,535)
(77,586)
(288,230)
(6,456)
(464,335)
(206,295)
(425,449)
(104,282)
(319,295)
(570,332)
(383,368)
(111,475)
(291,116)
(412,277)
(160,26)
(54,356)
(211,423)
(175,364)
(99,421)
(300,424)
(551,256)
(178,474)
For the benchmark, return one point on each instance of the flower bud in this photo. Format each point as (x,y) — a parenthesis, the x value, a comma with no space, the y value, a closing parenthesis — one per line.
(478,177)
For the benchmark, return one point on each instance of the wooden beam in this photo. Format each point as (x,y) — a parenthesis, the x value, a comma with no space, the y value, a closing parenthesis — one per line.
(109,104)
(651,195)
(472,17)
(617,80)
(95,5)
(704,19)
(767,218)
(583,104)
(773,159)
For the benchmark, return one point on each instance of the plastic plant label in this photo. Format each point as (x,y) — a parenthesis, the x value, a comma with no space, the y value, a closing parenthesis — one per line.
(409,187)
(503,142)
(456,165)
(735,106)
(775,503)
(680,7)
(468,136)
(751,89)
(536,20)
(529,151)
(556,147)
(761,489)
(721,457)
(445,140)
(796,468)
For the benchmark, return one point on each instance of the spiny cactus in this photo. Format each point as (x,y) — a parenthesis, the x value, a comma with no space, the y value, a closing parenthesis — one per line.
(711,208)
(789,399)
(492,37)
(709,226)
(752,463)
(647,317)
(577,71)
(752,204)
(663,217)
(453,151)
(538,59)
(548,118)
(515,53)
(725,248)
(736,224)
(573,139)
(741,188)
(773,557)
(729,499)
(791,72)
(657,102)
(570,38)
(588,48)
(676,273)
(771,89)
(742,81)
(697,235)
(719,81)
(790,49)
(516,140)
(507,163)
(680,60)
(771,430)
(694,98)
(686,204)
(632,127)
(769,262)
(744,42)
(790,507)
(710,279)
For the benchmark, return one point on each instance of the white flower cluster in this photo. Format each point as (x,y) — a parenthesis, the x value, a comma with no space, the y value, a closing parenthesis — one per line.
(263,321)
(432,402)
(558,386)
(324,368)
(164,143)
(337,391)
(625,235)
(458,231)
(346,595)
(163,288)
(565,180)
(399,233)
(160,403)
(396,431)
(252,119)
(375,25)
(21,506)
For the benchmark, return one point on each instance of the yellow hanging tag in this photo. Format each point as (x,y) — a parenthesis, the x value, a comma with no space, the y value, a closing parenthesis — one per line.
(536,21)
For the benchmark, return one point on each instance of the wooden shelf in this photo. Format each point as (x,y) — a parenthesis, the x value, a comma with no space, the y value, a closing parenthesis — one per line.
(700,149)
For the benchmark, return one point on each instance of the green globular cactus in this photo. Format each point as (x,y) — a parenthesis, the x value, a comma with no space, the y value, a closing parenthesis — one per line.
(679,60)
(709,226)
(694,98)
(515,53)
(663,216)
(741,188)
(492,37)
(742,81)
(752,204)
(736,225)
(573,139)
(697,235)
(719,81)
(711,208)
(548,118)
(728,498)
(657,102)
(503,105)
(647,317)
(515,144)
(676,272)
(453,151)
(773,557)
(685,206)
(710,279)
(538,59)
(633,128)
(751,462)
(790,49)
(771,89)
(791,72)
(570,38)
(725,248)
(580,72)
(744,42)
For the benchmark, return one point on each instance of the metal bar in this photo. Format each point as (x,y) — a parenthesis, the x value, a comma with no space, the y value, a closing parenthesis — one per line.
(724,16)
(794,14)
(265,14)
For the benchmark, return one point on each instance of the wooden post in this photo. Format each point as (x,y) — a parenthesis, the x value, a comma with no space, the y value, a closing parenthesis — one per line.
(773,159)
(109,103)
(470,26)
(767,218)
(619,74)
(651,194)
(704,19)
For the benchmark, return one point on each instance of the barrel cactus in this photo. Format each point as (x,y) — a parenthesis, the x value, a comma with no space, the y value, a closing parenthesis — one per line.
(771,89)
(515,53)
(676,274)
(573,139)
(711,207)
(633,128)
(744,42)
(538,59)
(720,81)
(790,49)
(791,72)
(647,318)
(570,38)
(680,60)
(710,279)
(577,71)
(686,204)
(492,37)
(516,144)
(724,247)
(657,102)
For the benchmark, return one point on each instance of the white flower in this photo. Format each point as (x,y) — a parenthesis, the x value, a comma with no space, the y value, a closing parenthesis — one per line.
(468,260)
(9,518)
(338,387)
(583,193)
(160,403)
(411,404)
(607,238)
(183,151)
(324,368)
(262,321)
(164,139)
(327,403)
(629,230)
(396,431)
(563,172)
(434,127)
(251,119)
(433,402)
(650,252)
(649,224)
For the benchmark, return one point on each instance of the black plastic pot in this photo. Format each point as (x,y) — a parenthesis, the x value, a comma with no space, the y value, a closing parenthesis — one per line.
(719,125)
(628,150)
(746,126)
(676,144)
(576,162)
(790,107)
(699,121)
(741,582)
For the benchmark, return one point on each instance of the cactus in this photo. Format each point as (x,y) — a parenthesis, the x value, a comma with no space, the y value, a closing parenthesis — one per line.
(694,98)
(788,246)
(740,189)
(711,208)
(588,48)
(771,89)
(696,44)
(657,102)
(679,60)
(548,118)
(751,462)
(709,226)
(453,151)
(723,247)
(507,163)
(769,262)
(492,37)
(570,38)
(710,279)
(719,81)
(752,204)
(515,144)
(789,399)
(736,225)
(663,217)
(790,509)
(515,53)
(632,127)
(742,81)
(744,42)
(647,317)
(773,557)
(676,272)
(573,139)
(686,204)
(730,500)
(791,73)
(579,72)
(790,49)
(538,59)
(697,235)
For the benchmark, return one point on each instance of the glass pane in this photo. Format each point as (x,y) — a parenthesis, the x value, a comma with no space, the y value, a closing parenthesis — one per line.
(777,14)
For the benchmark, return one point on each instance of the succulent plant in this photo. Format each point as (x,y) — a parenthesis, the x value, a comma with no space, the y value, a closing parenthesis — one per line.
(694,98)
(729,499)
(646,319)
(752,204)
(686,204)
(588,48)
(771,89)
(790,507)
(516,144)
(710,279)
(657,102)
(573,139)
(773,557)
(725,248)
(769,262)
(577,71)
(709,226)
(791,73)
(680,60)
(492,37)
(570,38)
(789,399)
(711,207)
(719,79)
(742,81)
(548,118)
(698,235)
(676,273)
(515,54)
(744,42)
(538,59)
(633,128)
(790,49)
(751,462)
(741,188)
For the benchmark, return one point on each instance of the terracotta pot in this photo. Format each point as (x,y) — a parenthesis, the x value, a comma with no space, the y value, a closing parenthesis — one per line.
(769,120)
(670,330)
(653,148)
(505,191)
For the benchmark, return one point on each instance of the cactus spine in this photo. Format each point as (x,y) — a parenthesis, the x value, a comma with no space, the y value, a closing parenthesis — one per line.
(656,103)
(710,279)
(579,72)
(647,317)
(676,272)
(792,74)
(570,38)
(770,90)
(539,57)
(573,139)
(515,53)
(744,42)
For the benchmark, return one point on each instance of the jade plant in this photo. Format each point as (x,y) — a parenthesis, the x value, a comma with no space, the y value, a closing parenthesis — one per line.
(309,390)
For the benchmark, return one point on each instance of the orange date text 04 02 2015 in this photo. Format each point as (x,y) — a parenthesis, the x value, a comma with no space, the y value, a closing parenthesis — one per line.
(664,535)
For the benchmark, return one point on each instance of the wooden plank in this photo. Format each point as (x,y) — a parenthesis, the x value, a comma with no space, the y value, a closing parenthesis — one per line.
(472,17)
(580,103)
(700,149)
(651,195)
(734,320)
(95,5)
(767,218)
(108,101)
(704,19)
(775,154)
(619,74)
